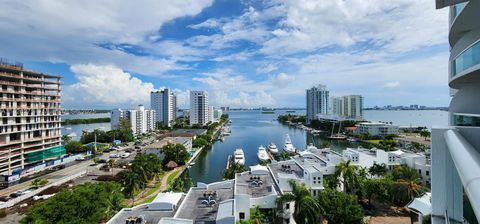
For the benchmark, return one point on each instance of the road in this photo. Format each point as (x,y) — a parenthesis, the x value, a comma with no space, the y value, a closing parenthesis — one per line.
(69,170)
(51,177)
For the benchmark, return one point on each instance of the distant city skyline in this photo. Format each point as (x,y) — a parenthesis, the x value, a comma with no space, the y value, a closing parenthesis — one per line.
(244,53)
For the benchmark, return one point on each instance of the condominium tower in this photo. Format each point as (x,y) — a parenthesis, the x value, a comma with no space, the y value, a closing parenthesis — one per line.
(456,148)
(164,102)
(141,120)
(199,109)
(30,118)
(317,101)
(350,106)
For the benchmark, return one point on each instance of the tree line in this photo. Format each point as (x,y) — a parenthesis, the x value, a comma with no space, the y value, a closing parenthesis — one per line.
(85,121)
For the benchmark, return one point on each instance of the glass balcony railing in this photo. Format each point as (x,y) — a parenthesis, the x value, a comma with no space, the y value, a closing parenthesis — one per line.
(458,8)
(464,120)
(467,59)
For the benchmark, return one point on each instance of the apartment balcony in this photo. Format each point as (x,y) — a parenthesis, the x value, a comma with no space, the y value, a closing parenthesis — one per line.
(465,21)
(29,78)
(455,166)
(33,93)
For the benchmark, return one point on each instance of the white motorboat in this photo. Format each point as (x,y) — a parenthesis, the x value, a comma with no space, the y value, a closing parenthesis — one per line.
(288,147)
(311,148)
(262,153)
(272,148)
(239,157)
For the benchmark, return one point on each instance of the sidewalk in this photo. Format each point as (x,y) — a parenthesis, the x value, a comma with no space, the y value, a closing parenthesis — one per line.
(163,186)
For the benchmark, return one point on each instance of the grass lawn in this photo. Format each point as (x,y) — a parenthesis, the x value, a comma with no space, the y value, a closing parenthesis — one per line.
(374,141)
(172,175)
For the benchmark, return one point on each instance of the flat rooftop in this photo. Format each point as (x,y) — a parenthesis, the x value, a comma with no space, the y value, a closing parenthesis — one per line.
(255,185)
(286,167)
(151,217)
(195,206)
(188,132)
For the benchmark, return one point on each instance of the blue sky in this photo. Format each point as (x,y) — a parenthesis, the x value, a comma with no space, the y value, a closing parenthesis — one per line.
(245,53)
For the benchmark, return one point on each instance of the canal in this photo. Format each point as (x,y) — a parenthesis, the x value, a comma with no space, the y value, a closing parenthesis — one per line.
(250,129)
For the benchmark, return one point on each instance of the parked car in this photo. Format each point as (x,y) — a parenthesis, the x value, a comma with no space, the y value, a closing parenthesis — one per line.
(125,155)
(113,156)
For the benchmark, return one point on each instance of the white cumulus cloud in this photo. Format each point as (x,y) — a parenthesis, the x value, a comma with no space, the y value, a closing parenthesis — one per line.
(107,86)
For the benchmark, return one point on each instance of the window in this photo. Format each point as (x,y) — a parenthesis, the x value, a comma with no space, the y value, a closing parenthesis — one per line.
(419,171)
(314,178)
(242,215)
(314,182)
(287,206)
(427,173)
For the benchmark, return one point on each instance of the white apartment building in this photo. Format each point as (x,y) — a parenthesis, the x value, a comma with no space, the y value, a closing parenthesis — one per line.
(116,115)
(30,125)
(317,101)
(199,109)
(456,148)
(350,106)
(164,103)
(230,201)
(376,129)
(367,157)
(211,110)
(217,114)
(141,120)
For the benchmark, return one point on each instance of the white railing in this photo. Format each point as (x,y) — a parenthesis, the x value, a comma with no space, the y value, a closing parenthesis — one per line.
(467,162)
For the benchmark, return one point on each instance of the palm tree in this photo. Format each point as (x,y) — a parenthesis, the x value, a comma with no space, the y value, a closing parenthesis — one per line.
(307,210)
(131,182)
(232,169)
(347,174)
(256,216)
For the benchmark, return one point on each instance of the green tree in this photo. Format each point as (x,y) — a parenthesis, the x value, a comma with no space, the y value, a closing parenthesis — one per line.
(407,185)
(377,189)
(425,133)
(85,203)
(347,174)
(66,139)
(131,182)
(339,207)
(307,209)
(75,147)
(175,152)
(199,142)
(232,169)
(378,170)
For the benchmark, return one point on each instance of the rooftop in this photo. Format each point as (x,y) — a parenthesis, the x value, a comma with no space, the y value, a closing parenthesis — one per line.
(202,202)
(188,132)
(140,211)
(286,167)
(255,185)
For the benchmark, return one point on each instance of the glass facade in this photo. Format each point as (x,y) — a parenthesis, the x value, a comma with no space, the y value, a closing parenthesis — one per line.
(458,8)
(462,120)
(467,59)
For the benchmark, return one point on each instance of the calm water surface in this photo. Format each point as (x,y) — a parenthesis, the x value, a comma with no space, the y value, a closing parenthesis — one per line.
(250,129)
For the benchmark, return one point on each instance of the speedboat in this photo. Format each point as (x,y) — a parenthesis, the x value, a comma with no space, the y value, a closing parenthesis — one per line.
(272,148)
(288,147)
(262,153)
(239,157)
(311,147)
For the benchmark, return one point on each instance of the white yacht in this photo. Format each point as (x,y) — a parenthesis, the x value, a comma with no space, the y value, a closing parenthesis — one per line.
(272,148)
(239,157)
(262,153)
(288,147)
(311,147)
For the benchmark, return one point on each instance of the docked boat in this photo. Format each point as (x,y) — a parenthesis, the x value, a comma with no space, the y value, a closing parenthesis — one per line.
(311,147)
(288,147)
(337,136)
(272,148)
(262,154)
(239,156)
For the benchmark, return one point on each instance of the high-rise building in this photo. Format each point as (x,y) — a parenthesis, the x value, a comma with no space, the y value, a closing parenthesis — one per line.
(116,116)
(456,148)
(141,120)
(350,106)
(211,110)
(317,101)
(199,110)
(164,102)
(30,128)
